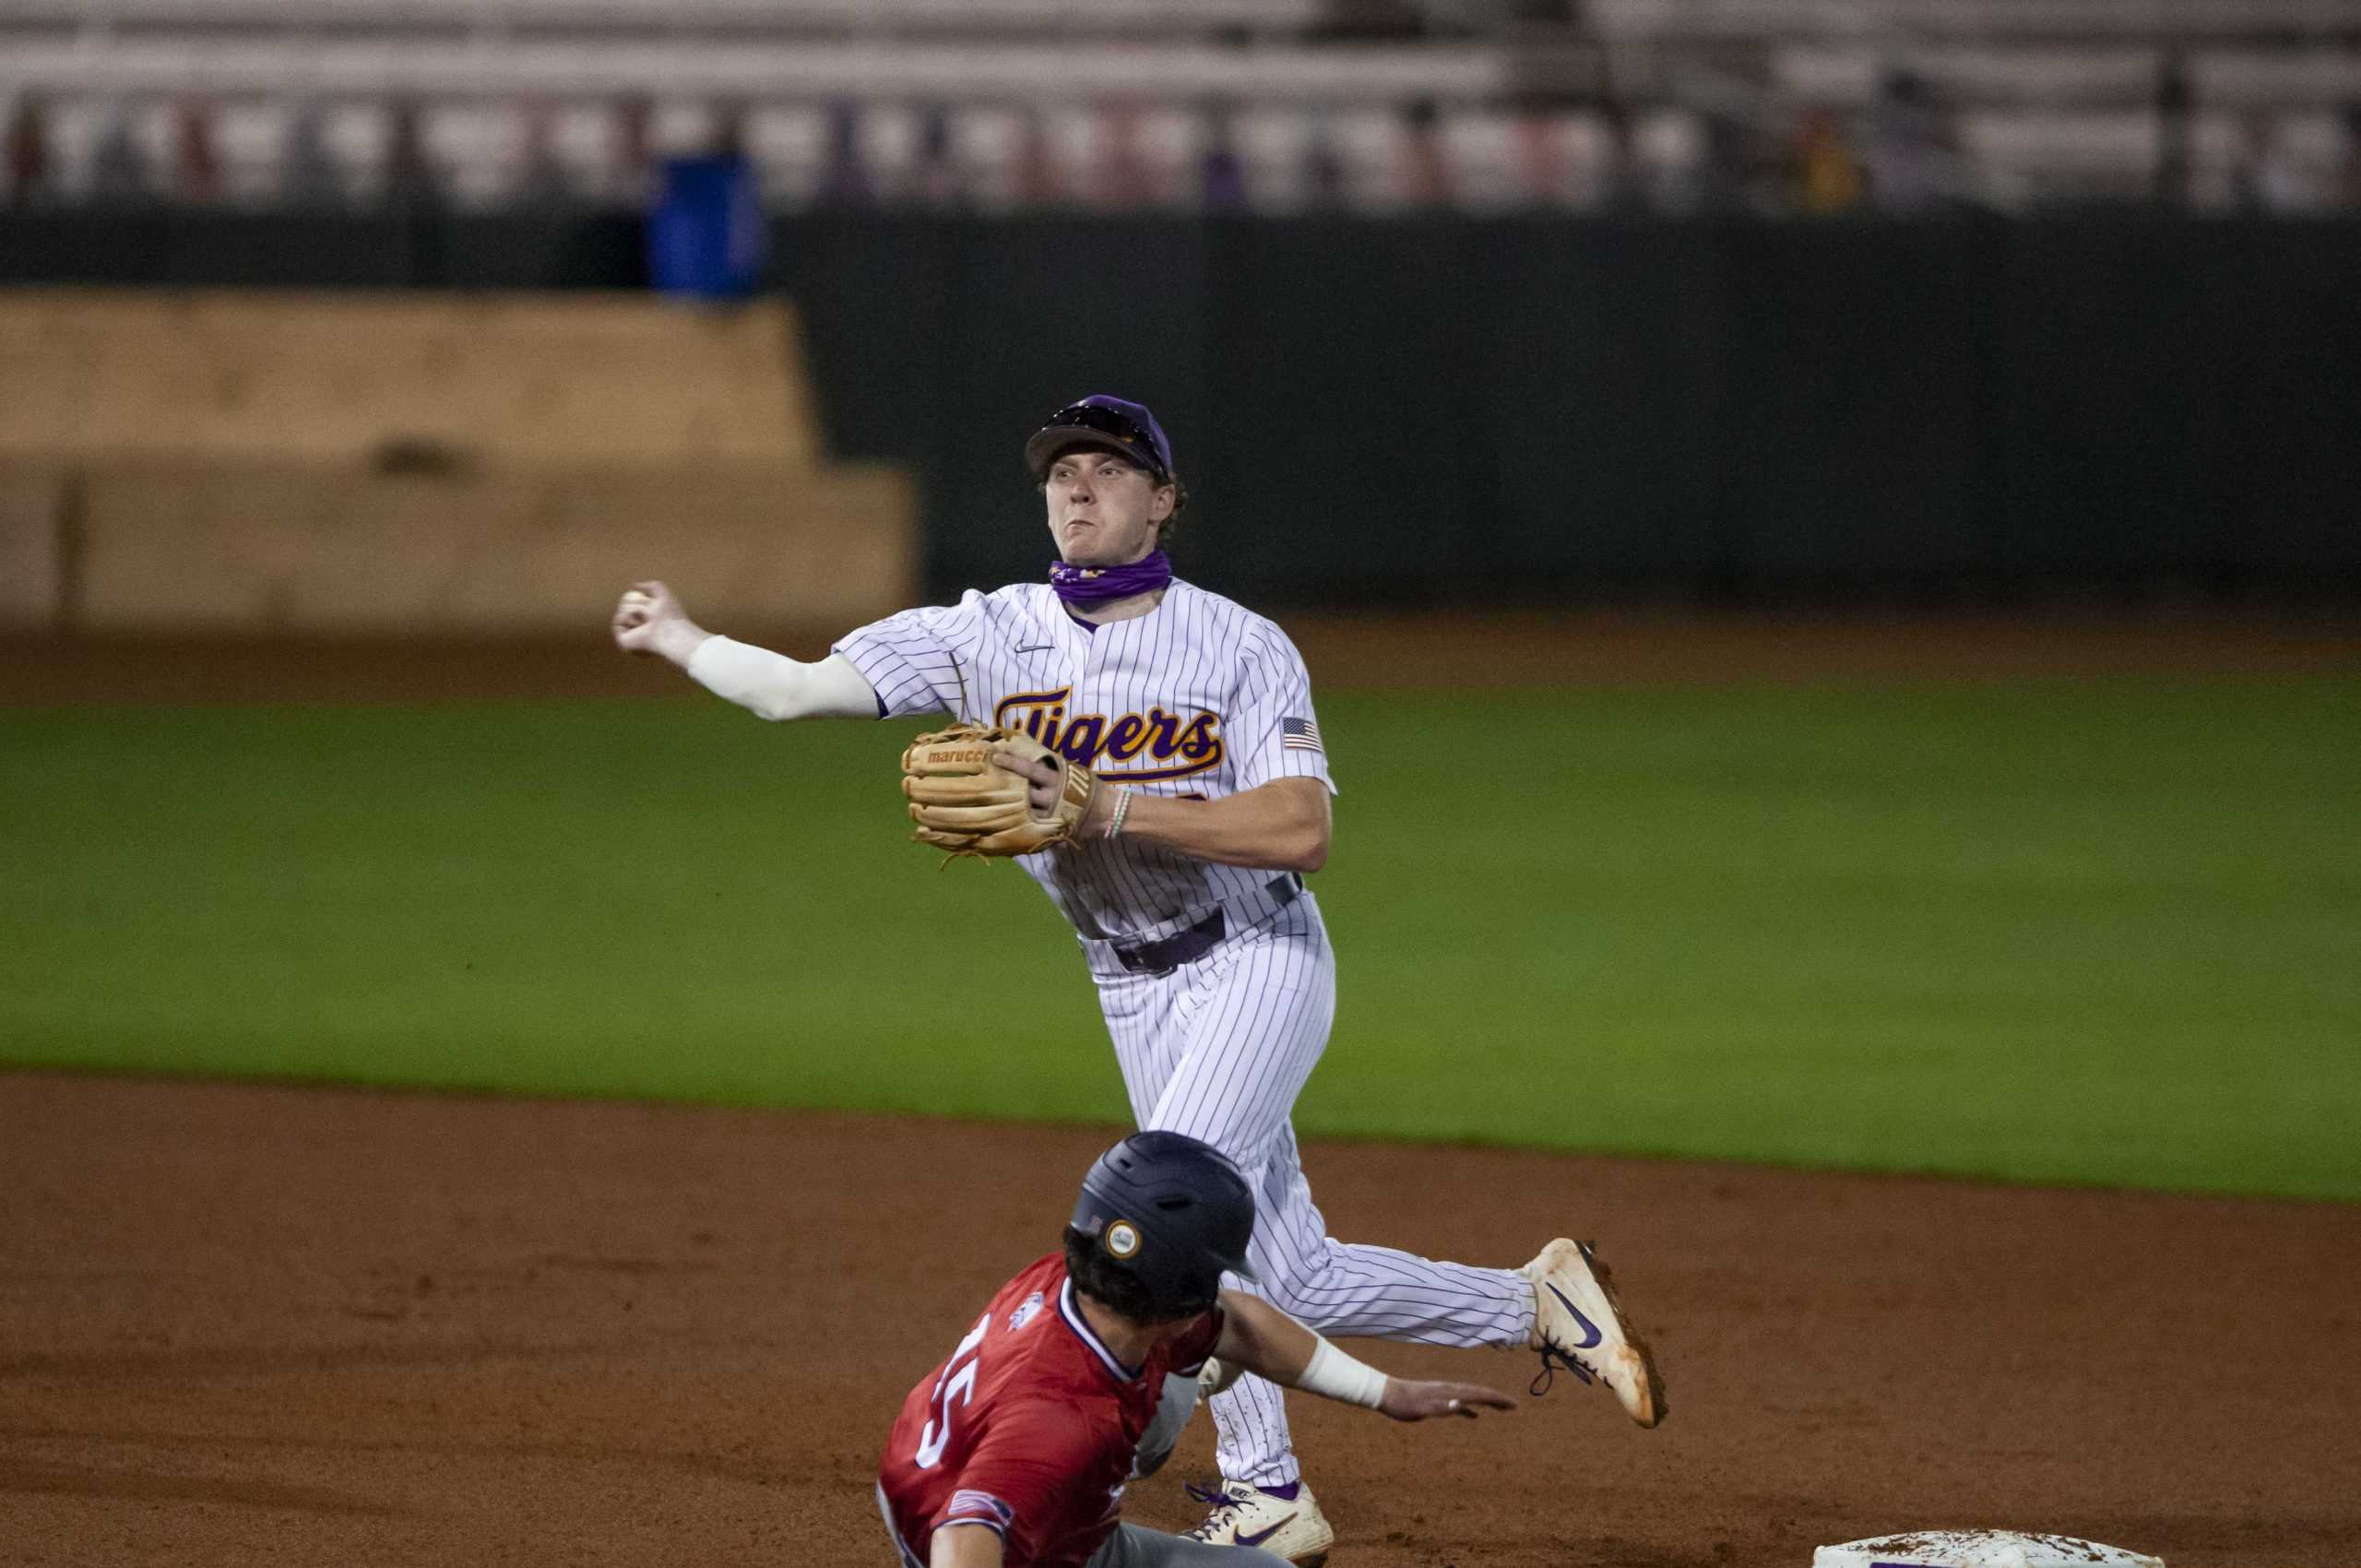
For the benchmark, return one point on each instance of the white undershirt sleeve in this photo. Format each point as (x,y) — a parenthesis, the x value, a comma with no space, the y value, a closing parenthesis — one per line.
(777,687)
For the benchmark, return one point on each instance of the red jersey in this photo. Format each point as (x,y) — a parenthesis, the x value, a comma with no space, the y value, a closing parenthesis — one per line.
(1029,1428)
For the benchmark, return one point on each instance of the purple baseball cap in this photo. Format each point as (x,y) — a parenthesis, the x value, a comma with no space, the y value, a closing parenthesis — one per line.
(1102,421)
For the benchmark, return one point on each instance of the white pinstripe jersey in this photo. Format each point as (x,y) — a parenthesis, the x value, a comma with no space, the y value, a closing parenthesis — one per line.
(1198,697)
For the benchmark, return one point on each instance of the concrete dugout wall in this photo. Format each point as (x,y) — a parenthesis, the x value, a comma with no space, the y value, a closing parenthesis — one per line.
(278,549)
(422,463)
(32,538)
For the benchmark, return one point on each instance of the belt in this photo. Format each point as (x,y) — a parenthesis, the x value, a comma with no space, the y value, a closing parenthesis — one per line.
(1168,954)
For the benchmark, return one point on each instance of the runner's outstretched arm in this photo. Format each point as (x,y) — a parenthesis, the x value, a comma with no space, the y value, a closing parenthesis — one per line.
(1266,1341)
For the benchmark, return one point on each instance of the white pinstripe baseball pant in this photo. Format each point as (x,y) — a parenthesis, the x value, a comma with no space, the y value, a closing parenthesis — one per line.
(1219,1049)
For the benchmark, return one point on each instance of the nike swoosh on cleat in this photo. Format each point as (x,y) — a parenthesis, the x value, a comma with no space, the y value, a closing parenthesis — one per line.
(1588,1327)
(1259,1537)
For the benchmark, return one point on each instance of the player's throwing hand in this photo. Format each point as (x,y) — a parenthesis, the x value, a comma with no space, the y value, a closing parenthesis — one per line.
(649,620)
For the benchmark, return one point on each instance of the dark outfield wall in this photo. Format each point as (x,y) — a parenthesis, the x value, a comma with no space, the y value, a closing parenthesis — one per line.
(1448,410)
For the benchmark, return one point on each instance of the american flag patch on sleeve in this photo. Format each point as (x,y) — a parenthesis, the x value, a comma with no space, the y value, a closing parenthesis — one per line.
(1299,735)
(979,1508)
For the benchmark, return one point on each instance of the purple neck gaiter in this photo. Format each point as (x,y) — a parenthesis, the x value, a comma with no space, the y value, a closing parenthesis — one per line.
(1086,586)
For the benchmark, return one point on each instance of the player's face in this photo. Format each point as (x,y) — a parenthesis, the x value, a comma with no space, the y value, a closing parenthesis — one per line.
(1103,510)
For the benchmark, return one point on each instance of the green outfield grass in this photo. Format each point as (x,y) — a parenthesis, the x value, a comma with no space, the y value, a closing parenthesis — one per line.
(2092,931)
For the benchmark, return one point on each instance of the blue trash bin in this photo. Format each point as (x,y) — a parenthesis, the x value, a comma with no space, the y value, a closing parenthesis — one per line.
(706,238)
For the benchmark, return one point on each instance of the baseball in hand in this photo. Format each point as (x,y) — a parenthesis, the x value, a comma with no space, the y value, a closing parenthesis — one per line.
(636,612)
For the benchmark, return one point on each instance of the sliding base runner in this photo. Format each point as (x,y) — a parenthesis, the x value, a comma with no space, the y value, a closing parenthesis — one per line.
(1079,1374)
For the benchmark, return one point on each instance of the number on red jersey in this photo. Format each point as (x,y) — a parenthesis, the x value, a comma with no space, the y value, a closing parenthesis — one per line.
(958,1381)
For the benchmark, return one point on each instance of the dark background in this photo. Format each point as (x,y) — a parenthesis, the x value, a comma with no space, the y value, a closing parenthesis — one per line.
(1530,410)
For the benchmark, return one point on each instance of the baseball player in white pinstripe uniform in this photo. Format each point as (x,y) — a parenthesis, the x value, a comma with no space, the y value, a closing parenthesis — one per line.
(1185,884)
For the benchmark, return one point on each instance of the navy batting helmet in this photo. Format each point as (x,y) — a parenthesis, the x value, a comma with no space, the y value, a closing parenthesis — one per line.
(1171,1211)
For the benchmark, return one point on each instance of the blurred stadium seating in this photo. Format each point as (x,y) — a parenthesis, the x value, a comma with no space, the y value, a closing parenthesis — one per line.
(419,464)
(1264,104)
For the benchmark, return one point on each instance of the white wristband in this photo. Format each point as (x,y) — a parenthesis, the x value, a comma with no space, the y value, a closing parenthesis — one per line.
(1332,1374)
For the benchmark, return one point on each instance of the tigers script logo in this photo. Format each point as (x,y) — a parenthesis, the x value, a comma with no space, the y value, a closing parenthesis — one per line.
(1169,745)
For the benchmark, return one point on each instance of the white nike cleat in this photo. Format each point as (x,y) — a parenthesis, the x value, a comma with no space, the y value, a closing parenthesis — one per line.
(1284,1521)
(1578,1325)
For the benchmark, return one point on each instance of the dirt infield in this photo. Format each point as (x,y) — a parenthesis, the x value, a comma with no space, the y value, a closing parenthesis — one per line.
(291,1326)
(1342,651)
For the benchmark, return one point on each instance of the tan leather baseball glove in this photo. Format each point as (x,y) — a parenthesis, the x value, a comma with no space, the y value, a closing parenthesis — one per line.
(967,803)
